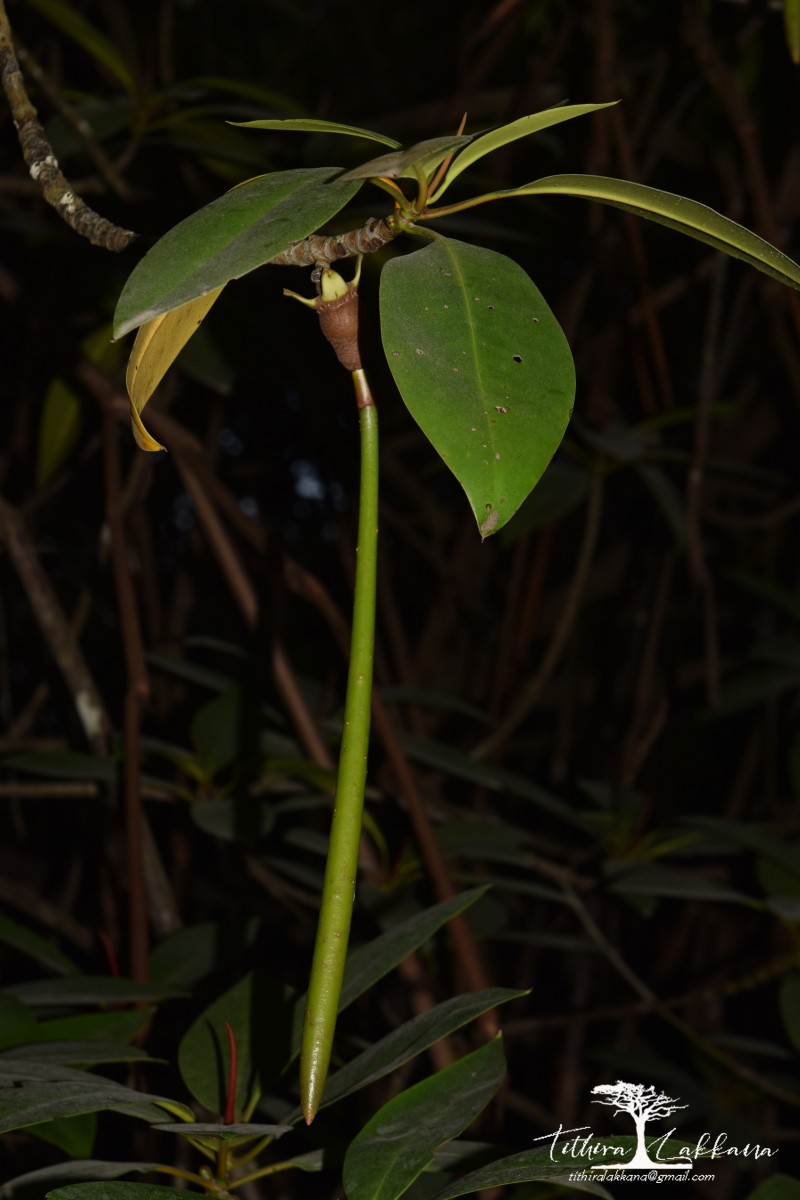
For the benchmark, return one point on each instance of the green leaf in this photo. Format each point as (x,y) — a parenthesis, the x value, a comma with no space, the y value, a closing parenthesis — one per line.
(117,1026)
(497,779)
(62,764)
(74,1135)
(525,1167)
(213,1135)
(783,599)
(191,954)
(62,412)
(367,964)
(87,989)
(86,1054)
(258,1012)
(791,19)
(35,946)
(17,1022)
(396,1145)
(654,880)
(789,1001)
(422,158)
(217,730)
(482,366)
(777,1187)
(748,835)
(416,1035)
(523,127)
(29,1186)
(562,488)
(245,819)
(59,429)
(67,18)
(233,235)
(313,125)
(113,1191)
(676,212)
(34,1092)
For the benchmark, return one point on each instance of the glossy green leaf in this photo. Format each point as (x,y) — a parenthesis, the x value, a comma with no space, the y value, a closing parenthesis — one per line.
(30,1185)
(676,212)
(35,946)
(113,1191)
(416,1035)
(523,127)
(791,19)
(314,125)
(396,1145)
(213,1135)
(233,235)
(367,964)
(67,18)
(259,1014)
(424,157)
(525,1167)
(482,366)
(34,1092)
(87,989)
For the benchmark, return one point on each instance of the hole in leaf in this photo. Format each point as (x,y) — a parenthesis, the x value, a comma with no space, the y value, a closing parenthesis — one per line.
(517,358)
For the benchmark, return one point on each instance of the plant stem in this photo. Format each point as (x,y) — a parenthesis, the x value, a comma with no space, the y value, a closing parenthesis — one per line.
(338,890)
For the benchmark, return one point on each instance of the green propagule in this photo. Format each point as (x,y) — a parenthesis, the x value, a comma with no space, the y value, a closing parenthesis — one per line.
(478,357)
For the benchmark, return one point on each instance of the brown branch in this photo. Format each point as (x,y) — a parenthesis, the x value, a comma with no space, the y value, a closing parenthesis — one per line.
(42,162)
(318,249)
(55,628)
(136,692)
(78,124)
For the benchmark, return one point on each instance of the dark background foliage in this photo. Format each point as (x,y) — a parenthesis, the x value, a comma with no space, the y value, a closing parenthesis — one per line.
(627,649)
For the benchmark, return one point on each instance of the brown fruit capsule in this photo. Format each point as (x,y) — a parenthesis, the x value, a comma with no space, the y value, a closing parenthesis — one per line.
(338,319)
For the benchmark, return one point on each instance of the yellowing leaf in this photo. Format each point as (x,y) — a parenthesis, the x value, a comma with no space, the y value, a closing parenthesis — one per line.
(157,345)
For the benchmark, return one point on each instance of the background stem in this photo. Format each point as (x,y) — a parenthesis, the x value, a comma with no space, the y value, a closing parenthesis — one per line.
(338,889)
